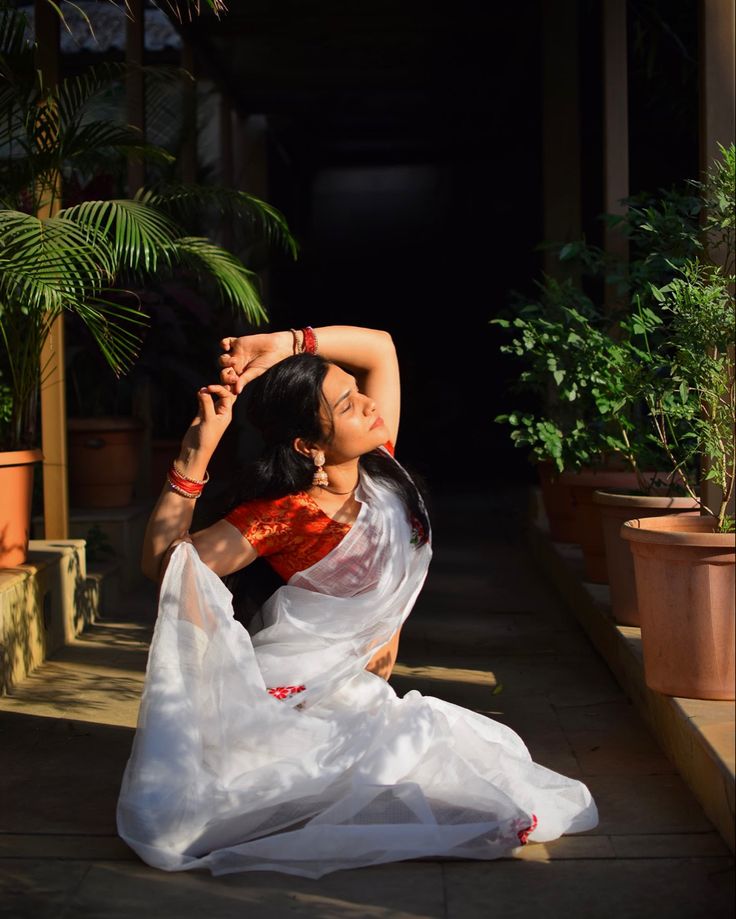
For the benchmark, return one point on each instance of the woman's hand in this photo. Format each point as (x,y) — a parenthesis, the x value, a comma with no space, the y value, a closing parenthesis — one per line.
(249,356)
(214,414)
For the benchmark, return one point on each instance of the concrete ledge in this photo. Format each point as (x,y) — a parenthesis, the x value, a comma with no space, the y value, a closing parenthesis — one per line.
(121,528)
(44,604)
(697,735)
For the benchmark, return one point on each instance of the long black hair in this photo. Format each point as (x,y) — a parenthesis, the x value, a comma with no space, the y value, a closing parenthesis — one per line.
(284,403)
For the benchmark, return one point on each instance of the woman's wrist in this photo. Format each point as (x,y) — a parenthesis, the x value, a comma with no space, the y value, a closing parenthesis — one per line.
(193,462)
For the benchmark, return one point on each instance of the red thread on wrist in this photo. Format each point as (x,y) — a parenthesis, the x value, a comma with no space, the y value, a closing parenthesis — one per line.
(310,340)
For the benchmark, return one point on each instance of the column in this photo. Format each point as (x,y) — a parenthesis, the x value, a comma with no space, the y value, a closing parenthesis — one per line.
(53,390)
(615,122)
(560,127)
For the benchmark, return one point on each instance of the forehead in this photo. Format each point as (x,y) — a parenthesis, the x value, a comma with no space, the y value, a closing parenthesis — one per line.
(336,383)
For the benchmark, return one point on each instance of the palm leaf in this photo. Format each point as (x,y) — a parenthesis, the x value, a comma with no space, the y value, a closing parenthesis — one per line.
(116,328)
(16,53)
(75,94)
(140,236)
(85,145)
(48,265)
(232,278)
(185,201)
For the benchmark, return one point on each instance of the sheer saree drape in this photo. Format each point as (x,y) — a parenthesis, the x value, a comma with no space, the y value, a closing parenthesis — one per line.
(330,769)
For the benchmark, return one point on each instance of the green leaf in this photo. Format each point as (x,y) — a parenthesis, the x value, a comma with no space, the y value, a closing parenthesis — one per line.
(232,278)
(140,235)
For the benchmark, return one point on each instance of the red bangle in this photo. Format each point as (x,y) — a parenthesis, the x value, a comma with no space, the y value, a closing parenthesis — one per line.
(310,340)
(187,488)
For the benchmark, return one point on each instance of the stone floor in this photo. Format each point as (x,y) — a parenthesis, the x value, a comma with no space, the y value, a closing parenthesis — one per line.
(487,633)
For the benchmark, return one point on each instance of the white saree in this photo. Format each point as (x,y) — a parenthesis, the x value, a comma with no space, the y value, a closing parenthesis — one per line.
(279,751)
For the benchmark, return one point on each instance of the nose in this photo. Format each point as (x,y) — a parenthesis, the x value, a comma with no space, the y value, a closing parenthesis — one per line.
(370,405)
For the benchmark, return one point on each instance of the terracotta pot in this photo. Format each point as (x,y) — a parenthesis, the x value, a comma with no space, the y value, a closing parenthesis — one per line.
(558,505)
(16,489)
(685,588)
(615,509)
(588,528)
(104,454)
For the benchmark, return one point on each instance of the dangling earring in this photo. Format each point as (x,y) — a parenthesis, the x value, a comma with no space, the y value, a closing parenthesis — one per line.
(320,476)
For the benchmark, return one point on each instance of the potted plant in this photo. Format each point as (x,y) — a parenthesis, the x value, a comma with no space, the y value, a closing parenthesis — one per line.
(563,432)
(588,432)
(685,564)
(72,262)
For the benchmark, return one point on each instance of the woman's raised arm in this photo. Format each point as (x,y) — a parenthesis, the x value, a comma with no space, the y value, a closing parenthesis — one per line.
(367,353)
(172,515)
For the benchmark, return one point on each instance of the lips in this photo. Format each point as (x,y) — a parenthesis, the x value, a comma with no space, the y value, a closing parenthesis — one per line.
(376,423)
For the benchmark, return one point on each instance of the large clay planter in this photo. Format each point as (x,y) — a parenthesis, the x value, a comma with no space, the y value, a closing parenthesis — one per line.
(685,589)
(16,494)
(615,510)
(104,454)
(588,529)
(558,506)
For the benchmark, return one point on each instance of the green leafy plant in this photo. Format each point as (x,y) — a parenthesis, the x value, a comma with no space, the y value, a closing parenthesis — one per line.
(652,380)
(78,260)
(693,386)
(585,365)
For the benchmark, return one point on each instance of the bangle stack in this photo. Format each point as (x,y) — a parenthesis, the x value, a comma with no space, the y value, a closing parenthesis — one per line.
(308,344)
(185,486)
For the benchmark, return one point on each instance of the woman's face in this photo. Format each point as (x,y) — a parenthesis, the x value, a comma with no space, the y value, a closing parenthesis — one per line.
(355,419)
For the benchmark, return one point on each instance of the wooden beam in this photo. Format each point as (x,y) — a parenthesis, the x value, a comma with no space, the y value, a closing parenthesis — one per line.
(615,121)
(53,388)
(717,64)
(135,100)
(561,166)
(717,79)
(188,157)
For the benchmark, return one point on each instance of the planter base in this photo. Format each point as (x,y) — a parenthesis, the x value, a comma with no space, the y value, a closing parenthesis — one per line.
(685,590)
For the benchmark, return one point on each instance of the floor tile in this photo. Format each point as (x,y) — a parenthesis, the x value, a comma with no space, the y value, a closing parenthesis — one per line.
(399,891)
(691,888)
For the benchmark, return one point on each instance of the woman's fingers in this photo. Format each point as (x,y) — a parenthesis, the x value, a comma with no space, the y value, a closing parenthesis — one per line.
(226,397)
(229,376)
(250,374)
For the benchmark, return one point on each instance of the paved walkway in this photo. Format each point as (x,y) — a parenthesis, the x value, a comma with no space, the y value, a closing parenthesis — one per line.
(488,633)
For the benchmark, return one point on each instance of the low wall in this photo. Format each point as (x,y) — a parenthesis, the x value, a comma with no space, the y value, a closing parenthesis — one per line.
(44,604)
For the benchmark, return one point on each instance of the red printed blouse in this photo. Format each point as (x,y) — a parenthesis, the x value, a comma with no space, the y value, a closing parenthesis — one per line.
(292,532)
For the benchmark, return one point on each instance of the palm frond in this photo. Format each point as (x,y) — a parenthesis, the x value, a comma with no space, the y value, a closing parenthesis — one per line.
(185,201)
(190,7)
(116,328)
(232,278)
(75,94)
(141,237)
(48,265)
(99,140)
(16,52)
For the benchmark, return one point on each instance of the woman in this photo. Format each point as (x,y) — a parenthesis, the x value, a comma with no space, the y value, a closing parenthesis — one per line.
(286,749)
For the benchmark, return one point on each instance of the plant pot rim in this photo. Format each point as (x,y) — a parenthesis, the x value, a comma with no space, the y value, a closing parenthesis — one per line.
(20,457)
(105,423)
(678,530)
(598,478)
(622,499)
